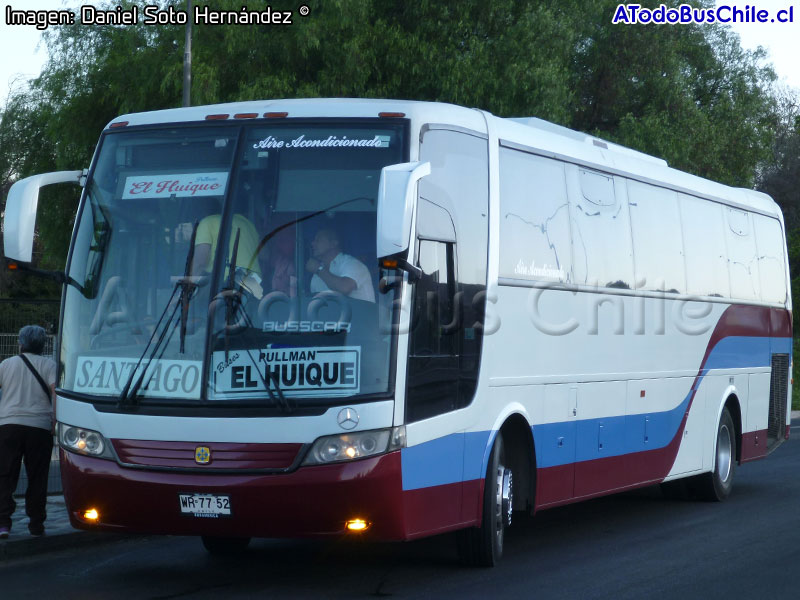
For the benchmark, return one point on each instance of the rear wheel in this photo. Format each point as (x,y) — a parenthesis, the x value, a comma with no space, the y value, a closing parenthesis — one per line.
(717,485)
(483,546)
(225,546)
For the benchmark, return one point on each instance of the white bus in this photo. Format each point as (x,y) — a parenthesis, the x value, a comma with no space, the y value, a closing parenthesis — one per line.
(419,318)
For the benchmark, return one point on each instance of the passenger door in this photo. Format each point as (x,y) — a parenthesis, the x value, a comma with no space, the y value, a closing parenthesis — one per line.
(445,338)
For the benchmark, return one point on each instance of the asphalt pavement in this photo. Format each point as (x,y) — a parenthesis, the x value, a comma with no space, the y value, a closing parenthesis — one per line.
(59,534)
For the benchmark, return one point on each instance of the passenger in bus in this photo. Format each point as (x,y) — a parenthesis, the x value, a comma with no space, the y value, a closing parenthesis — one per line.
(205,246)
(26,424)
(281,264)
(334,270)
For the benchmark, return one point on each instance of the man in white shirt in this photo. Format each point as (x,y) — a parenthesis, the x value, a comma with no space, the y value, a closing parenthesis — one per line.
(337,271)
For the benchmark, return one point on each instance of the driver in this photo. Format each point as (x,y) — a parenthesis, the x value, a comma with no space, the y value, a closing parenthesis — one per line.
(337,271)
(205,246)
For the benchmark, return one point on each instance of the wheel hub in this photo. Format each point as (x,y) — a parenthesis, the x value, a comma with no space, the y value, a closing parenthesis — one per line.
(505,485)
(724,453)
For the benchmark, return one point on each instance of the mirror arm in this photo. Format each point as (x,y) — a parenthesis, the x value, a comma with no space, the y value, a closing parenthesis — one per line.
(57,276)
(401,264)
(414,272)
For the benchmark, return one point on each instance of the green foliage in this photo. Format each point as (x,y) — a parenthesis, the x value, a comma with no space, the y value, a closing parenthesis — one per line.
(689,94)
(779,174)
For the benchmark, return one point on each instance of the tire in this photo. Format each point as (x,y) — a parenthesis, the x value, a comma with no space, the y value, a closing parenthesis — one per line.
(225,546)
(483,546)
(717,485)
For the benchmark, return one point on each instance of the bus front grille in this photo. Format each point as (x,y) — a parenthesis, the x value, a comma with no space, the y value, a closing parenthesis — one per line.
(228,456)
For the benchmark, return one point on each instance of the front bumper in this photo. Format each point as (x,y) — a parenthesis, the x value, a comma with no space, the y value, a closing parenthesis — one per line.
(309,502)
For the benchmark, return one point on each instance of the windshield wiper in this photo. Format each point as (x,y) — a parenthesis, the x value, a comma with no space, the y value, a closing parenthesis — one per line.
(128,394)
(125,396)
(188,289)
(280,401)
(233,305)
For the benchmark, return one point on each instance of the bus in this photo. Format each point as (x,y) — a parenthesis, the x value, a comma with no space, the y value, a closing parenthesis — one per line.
(393,319)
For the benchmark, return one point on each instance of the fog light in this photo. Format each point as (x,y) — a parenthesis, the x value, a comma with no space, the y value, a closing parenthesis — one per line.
(91,514)
(357,525)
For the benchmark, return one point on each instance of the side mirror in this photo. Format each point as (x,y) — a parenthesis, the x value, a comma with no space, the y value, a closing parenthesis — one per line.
(396,203)
(20,214)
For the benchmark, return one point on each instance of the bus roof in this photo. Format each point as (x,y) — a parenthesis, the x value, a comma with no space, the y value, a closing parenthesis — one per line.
(527,133)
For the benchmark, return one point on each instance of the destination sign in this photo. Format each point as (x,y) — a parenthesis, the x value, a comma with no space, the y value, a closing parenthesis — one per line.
(180,185)
(108,375)
(318,371)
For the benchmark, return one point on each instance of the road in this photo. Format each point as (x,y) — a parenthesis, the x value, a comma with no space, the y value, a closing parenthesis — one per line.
(633,545)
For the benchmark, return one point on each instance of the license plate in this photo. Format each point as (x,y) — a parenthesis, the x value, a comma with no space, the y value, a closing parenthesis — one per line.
(205,505)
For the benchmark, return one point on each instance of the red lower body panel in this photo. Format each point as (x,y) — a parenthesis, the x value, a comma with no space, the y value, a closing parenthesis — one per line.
(442,508)
(310,502)
(754,445)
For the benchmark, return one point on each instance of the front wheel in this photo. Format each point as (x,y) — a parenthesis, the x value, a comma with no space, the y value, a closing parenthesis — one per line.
(225,546)
(717,485)
(483,546)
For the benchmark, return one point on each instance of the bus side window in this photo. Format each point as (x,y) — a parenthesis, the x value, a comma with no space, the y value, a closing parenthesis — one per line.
(433,369)
(434,302)
(455,198)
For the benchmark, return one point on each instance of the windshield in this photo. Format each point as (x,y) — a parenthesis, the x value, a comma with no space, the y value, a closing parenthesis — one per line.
(224,263)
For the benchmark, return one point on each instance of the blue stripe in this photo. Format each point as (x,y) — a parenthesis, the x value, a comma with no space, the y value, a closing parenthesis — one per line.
(450,459)
(463,456)
(476,453)
(625,434)
(739,353)
(606,436)
(438,462)
(781,346)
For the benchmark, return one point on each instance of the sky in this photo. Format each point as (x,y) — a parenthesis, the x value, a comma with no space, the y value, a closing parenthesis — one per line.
(22,54)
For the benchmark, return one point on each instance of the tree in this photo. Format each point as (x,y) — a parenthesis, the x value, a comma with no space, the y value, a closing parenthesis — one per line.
(687,93)
(779,174)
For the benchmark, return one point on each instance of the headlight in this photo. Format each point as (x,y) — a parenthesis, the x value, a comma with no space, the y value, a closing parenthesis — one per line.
(349,446)
(83,441)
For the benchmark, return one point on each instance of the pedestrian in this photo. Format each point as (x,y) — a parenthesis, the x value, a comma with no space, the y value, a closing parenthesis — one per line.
(27,383)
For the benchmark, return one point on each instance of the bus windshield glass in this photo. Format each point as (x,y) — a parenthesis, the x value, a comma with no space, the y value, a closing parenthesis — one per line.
(232,264)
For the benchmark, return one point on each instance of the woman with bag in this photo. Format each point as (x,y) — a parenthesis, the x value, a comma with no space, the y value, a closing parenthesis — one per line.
(27,382)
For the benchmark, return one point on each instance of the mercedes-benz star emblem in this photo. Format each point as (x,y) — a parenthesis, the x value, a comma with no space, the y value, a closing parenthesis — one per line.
(348,418)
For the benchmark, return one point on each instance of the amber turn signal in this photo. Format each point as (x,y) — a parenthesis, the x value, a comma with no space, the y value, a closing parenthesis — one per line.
(357,525)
